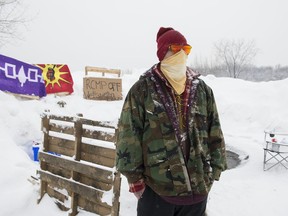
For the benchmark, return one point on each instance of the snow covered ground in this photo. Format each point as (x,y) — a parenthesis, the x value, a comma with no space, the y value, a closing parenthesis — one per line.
(246,110)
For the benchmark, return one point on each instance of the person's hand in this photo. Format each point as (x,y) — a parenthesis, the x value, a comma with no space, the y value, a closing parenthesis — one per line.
(137,188)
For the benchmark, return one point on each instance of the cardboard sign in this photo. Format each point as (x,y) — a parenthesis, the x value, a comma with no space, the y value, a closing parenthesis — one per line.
(20,78)
(100,88)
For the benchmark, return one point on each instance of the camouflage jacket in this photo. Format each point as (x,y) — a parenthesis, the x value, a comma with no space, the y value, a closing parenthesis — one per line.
(148,140)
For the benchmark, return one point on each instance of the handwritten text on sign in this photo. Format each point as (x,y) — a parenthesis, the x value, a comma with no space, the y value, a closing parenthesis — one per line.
(99,88)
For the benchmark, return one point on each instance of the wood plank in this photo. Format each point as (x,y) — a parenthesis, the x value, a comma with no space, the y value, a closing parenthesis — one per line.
(102,70)
(57,170)
(105,176)
(93,182)
(61,142)
(96,183)
(61,146)
(78,137)
(86,192)
(116,192)
(105,124)
(61,151)
(94,208)
(98,159)
(89,133)
(62,129)
(45,129)
(43,190)
(56,194)
(74,204)
(61,118)
(74,173)
(61,205)
(101,135)
(43,165)
(98,150)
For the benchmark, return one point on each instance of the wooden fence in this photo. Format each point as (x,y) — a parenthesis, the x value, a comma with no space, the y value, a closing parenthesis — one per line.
(77,165)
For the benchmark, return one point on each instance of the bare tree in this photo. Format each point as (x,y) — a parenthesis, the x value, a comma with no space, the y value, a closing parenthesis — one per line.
(10,19)
(202,65)
(235,55)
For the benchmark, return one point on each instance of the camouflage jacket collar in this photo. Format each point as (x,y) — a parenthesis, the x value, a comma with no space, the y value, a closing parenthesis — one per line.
(167,96)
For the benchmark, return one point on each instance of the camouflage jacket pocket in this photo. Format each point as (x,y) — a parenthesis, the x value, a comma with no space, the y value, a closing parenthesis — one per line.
(200,134)
(153,140)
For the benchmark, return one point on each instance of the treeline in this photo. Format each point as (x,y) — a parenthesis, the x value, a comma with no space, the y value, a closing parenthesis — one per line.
(251,73)
(234,58)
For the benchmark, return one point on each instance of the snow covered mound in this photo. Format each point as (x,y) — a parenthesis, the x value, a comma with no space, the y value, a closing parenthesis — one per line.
(246,109)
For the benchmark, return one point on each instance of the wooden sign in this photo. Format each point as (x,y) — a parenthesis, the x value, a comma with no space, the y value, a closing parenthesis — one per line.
(102,70)
(102,88)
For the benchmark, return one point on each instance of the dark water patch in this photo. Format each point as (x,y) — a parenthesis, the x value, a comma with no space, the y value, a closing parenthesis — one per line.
(233,159)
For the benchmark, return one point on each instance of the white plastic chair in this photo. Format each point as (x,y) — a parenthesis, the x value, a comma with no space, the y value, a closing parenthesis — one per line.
(275,150)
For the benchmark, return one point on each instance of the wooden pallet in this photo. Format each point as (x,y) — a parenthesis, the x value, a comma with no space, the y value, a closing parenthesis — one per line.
(77,164)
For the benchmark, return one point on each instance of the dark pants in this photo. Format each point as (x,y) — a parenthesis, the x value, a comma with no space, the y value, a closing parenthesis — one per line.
(151,204)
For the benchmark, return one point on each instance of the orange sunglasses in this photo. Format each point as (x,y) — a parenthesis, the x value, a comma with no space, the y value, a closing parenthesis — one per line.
(176,48)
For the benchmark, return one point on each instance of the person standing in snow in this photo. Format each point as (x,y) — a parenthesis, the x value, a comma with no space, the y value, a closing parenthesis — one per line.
(170,145)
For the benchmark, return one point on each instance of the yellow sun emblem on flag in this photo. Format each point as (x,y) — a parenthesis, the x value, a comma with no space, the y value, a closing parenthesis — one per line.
(52,74)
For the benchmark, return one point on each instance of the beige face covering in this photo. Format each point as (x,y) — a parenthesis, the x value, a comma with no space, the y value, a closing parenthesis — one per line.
(174,69)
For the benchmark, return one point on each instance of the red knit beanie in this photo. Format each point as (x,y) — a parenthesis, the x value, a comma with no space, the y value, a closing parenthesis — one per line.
(166,37)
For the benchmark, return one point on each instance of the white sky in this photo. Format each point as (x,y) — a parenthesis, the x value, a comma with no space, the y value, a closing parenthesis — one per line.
(121,34)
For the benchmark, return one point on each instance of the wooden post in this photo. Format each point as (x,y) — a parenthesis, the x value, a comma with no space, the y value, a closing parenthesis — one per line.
(78,126)
(116,185)
(116,191)
(43,165)
(45,130)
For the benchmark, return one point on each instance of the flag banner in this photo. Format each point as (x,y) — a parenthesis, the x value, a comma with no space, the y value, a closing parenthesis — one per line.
(18,77)
(57,78)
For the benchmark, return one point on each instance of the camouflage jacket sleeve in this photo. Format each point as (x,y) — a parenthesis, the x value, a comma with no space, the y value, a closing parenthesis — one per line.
(215,138)
(129,160)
